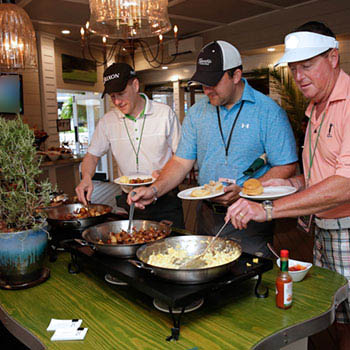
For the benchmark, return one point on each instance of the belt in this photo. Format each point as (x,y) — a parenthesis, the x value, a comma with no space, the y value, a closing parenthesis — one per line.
(333,224)
(217,208)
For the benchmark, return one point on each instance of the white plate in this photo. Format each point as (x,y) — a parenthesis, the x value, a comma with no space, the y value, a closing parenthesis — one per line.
(186,194)
(272,192)
(132,177)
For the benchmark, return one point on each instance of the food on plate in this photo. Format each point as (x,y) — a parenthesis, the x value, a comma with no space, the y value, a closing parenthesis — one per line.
(128,180)
(139,181)
(137,236)
(200,192)
(252,187)
(297,267)
(124,180)
(83,213)
(171,258)
(212,187)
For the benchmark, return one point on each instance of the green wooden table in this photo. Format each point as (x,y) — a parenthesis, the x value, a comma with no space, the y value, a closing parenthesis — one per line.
(122,318)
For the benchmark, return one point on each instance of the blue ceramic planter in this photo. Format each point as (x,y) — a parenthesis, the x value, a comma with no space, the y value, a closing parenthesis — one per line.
(22,256)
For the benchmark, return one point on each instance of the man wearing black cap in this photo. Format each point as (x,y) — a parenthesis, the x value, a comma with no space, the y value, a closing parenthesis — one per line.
(225,132)
(142,135)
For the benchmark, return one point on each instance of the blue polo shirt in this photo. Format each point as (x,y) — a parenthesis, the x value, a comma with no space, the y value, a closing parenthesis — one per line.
(261,127)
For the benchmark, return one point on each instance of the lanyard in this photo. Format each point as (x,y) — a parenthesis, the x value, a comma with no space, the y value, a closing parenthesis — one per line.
(127,130)
(227,146)
(312,152)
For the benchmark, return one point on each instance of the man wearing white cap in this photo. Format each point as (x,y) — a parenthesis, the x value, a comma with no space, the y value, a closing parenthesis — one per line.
(225,132)
(313,58)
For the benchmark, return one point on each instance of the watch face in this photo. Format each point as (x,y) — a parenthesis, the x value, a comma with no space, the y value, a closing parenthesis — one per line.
(267,204)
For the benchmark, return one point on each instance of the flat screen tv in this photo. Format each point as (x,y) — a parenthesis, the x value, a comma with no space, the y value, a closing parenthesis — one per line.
(78,69)
(11,93)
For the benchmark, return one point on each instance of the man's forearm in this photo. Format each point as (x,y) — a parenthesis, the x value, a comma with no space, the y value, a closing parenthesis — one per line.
(327,194)
(88,166)
(172,174)
(280,172)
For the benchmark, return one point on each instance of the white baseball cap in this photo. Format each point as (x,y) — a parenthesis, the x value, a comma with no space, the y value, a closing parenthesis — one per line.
(300,46)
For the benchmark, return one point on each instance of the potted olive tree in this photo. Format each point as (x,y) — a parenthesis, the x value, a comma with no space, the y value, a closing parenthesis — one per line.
(23,238)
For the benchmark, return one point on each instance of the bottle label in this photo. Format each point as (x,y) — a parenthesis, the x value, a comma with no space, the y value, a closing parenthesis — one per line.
(287,293)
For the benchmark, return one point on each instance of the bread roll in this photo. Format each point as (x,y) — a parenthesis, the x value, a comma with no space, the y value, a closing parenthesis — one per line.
(252,187)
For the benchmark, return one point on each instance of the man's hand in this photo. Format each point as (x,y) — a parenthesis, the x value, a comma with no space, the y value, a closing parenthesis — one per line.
(142,197)
(231,195)
(242,211)
(87,187)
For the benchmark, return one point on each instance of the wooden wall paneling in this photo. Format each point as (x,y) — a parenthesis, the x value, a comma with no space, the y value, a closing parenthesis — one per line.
(48,89)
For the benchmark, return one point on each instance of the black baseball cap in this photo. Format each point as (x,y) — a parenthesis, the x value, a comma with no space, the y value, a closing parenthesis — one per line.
(213,60)
(116,76)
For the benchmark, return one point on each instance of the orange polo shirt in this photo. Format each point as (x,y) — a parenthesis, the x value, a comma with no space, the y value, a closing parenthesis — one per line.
(332,155)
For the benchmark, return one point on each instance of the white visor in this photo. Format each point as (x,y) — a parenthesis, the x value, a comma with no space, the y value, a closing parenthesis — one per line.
(300,46)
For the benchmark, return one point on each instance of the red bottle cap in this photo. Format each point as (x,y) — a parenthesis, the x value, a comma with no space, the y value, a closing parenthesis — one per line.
(284,253)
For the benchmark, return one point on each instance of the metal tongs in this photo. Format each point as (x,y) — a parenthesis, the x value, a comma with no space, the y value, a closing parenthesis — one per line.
(197,262)
(131,213)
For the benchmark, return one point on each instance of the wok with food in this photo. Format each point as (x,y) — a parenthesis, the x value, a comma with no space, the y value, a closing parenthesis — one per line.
(165,257)
(112,238)
(77,215)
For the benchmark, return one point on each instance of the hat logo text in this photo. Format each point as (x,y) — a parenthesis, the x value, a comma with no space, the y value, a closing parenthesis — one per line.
(203,62)
(111,77)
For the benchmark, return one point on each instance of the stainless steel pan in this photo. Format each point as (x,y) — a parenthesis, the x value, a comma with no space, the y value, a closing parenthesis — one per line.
(193,245)
(93,234)
(55,214)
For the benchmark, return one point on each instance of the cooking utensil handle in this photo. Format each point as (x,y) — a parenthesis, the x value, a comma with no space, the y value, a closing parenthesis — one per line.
(131,212)
(166,222)
(83,243)
(139,264)
(272,250)
(216,236)
(73,223)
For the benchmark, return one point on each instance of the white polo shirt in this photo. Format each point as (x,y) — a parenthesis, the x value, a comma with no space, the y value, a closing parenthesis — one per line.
(160,137)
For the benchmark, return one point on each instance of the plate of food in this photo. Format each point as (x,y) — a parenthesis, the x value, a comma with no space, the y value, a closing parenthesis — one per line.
(210,190)
(135,180)
(252,189)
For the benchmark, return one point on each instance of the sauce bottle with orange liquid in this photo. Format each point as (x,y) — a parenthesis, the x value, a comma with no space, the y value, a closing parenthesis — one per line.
(284,283)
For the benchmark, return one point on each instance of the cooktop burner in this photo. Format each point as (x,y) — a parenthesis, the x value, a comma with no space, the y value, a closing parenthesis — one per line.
(161,306)
(168,295)
(114,280)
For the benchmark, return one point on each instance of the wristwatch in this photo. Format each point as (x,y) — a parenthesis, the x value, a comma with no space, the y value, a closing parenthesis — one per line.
(268,206)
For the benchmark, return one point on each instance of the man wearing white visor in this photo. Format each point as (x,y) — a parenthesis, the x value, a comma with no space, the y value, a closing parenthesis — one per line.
(324,190)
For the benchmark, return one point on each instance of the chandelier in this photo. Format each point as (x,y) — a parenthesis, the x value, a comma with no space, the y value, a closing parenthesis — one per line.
(122,24)
(17,38)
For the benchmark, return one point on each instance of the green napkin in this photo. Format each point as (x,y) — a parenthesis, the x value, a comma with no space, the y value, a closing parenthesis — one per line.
(257,164)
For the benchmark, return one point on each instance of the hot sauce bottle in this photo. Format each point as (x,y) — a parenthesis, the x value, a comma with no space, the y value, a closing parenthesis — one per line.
(284,283)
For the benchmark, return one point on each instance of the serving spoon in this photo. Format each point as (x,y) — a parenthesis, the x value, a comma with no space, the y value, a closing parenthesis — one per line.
(197,262)
(131,213)
(273,251)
